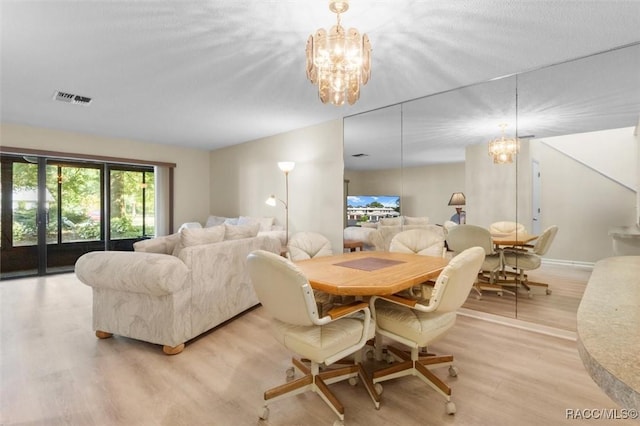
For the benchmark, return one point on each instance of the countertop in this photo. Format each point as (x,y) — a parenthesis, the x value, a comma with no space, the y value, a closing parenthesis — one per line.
(609,328)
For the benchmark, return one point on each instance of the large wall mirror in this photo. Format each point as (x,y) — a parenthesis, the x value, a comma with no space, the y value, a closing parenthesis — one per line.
(577,167)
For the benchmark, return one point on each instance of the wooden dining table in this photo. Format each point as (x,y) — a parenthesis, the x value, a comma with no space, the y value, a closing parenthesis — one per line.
(518,239)
(369,273)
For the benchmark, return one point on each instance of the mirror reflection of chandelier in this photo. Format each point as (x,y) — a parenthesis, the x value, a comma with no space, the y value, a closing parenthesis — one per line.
(338,61)
(504,149)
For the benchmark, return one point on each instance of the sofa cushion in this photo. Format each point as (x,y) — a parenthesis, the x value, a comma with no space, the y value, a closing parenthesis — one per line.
(196,237)
(423,220)
(373,225)
(163,245)
(236,232)
(391,221)
(265,222)
(382,238)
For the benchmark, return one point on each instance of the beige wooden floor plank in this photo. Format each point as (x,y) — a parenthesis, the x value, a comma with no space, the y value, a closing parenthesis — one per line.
(55,372)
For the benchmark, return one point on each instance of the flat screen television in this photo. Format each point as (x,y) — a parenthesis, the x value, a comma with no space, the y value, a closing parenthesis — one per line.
(371,208)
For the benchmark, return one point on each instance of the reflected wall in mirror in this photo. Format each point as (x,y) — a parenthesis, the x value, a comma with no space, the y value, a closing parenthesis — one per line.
(577,168)
(373,167)
(580,170)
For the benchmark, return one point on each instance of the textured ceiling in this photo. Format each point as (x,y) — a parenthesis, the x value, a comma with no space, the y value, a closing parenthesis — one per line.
(210,74)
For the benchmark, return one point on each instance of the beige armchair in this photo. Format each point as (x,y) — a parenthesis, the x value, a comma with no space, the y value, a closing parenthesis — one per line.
(286,295)
(463,237)
(524,260)
(416,325)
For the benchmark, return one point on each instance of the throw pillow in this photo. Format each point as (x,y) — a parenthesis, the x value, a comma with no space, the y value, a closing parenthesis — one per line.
(196,237)
(164,244)
(424,220)
(231,221)
(391,221)
(265,222)
(236,232)
(373,225)
(215,221)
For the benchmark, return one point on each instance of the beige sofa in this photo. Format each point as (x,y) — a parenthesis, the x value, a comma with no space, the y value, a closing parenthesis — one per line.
(155,296)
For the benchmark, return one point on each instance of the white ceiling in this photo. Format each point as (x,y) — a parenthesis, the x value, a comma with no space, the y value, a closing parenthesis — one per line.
(210,74)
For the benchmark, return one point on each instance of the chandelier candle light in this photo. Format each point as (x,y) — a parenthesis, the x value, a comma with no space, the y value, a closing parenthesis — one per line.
(503,149)
(338,61)
(286,167)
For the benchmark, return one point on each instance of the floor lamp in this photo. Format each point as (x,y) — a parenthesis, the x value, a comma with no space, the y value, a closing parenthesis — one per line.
(286,167)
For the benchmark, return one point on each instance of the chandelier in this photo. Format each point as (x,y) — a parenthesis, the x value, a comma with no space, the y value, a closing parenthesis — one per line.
(338,61)
(503,149)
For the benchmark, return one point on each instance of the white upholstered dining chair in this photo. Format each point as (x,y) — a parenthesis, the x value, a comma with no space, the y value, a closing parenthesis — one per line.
(527,260)
(307,245)
(506,227)
(416,325)
(285,293)
(427,241)
(463,237)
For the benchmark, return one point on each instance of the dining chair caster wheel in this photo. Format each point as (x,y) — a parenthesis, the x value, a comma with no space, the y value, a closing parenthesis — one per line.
(450,407)
(378,388)
(548,291)
(353,381)
(453,371)
(369,354)
(500,294)
(264,413)
(291,373)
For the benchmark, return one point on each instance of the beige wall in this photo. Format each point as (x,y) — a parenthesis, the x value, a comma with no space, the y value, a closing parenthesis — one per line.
(191,179)
(492,188)
(583,203)
(243,176)
(236,180)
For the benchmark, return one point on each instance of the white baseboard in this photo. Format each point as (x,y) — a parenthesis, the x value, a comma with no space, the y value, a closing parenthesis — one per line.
(524,325)
(563,262)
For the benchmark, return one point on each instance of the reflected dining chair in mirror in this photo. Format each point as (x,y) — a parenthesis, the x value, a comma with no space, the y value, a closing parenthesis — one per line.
(506,227)
(287,296)
(417,325)
(523,260)
(426,242)
(462,237)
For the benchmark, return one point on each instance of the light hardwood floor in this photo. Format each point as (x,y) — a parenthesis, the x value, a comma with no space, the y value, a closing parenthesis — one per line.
(558,309)
(55,372)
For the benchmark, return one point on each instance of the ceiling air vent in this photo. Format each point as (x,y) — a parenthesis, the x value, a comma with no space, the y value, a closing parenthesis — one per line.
(70,98)
(360,155)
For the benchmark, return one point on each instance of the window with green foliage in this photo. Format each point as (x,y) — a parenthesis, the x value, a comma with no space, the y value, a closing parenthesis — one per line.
(132,203)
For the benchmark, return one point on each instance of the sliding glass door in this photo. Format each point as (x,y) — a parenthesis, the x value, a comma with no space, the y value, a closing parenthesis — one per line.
(54,210)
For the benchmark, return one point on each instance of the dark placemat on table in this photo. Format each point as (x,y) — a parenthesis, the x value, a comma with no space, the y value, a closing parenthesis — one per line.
(369,263)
